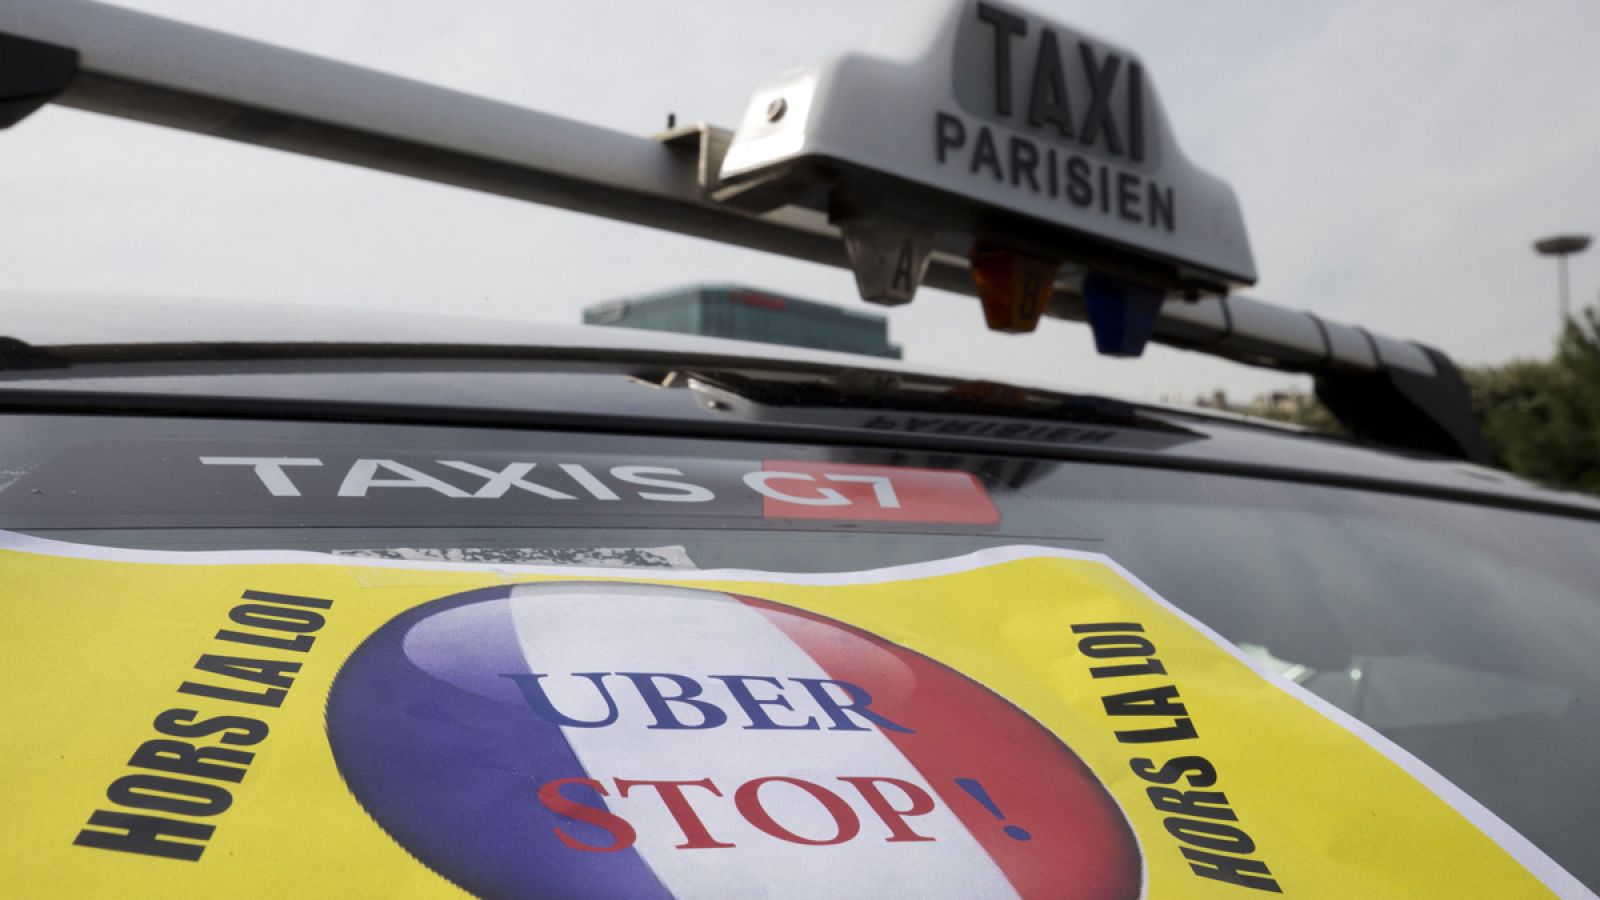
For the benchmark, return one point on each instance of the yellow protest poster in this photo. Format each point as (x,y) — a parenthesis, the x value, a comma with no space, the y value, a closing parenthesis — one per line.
(1017,722)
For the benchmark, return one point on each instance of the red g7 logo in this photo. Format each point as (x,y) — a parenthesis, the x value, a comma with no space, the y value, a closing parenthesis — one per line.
(811,490)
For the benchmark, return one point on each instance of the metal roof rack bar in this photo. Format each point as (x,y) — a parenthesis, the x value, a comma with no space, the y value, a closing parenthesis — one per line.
(105,59)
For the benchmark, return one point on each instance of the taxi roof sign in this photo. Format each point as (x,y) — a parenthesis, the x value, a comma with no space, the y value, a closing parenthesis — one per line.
(998,124)
(772,195)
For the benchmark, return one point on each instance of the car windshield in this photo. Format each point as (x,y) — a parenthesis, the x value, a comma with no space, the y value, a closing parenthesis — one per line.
(570,358)
(1463,633)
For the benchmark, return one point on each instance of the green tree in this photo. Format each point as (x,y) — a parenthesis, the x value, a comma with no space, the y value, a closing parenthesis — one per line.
(1543,418)
(1306,412)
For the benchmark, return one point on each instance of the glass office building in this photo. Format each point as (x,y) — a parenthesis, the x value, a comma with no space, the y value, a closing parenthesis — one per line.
(741,313)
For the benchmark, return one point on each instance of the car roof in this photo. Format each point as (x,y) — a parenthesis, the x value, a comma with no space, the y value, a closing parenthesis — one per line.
(1091,427)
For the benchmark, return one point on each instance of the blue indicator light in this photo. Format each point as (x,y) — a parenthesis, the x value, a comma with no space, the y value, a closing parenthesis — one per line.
(1122,314)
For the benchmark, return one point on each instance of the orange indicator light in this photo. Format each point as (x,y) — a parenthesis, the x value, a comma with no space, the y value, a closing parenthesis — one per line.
(1013,285)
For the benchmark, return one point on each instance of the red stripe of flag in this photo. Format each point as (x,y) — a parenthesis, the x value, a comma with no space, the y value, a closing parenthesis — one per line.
(1080,844)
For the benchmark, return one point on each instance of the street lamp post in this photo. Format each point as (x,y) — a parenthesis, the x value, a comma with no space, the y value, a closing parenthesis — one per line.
(1562,246)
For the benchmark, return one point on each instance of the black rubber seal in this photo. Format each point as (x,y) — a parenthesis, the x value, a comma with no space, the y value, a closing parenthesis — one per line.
(32,73)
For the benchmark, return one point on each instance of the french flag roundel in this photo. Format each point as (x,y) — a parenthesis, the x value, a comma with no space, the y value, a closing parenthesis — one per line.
(594,739)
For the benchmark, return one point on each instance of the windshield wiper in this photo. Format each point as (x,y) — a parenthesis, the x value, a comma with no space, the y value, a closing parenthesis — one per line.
(772,384)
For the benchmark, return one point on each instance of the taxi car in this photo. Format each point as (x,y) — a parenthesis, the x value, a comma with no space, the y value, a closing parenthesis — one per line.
(334,608)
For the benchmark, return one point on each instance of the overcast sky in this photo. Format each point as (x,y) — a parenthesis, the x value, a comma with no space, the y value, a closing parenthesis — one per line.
(1394,161)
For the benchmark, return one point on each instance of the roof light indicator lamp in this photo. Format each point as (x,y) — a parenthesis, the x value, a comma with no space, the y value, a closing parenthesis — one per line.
(888,255)
(1122,314)
(1013,285)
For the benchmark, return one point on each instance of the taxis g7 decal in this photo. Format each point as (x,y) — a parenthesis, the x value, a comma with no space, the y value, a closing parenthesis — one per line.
(180,484)
(1018,722)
